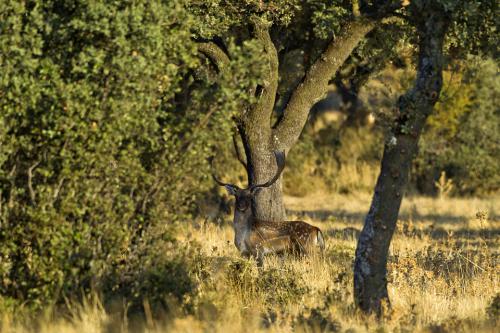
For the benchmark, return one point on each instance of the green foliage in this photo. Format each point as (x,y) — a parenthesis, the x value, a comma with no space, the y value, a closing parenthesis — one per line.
(104,133)
(158,268)
(474,28)
(220,17)
(462,136)
(327,17)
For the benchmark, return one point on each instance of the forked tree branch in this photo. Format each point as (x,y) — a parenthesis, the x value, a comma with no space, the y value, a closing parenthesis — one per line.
(315,82)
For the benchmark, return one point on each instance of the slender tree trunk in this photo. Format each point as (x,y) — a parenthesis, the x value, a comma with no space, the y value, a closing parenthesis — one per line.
(370,266)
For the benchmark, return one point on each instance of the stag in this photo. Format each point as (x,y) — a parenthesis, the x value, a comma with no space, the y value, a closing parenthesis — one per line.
(257,238)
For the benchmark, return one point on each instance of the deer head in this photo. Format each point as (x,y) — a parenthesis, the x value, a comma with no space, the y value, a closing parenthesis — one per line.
(244,196)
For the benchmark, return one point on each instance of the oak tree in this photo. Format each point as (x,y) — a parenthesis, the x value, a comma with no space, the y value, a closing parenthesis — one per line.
(322,34)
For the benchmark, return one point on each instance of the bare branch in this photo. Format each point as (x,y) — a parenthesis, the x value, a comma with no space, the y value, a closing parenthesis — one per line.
(58,190)
(315,82)
(30,182)
(239,154)
(213,52)
(12,171)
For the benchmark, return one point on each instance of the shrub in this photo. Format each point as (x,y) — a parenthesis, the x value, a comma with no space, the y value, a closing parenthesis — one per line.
(104,130)
(281,286)
(462,136)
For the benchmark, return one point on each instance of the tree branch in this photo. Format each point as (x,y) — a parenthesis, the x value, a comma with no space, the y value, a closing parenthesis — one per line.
(216,55)
(58,190)
(238,151)
(30,182)
(261,31)
(315,82)
(263,110)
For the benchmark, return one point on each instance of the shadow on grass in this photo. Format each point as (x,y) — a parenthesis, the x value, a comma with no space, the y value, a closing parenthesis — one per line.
(359,217)
(438,233)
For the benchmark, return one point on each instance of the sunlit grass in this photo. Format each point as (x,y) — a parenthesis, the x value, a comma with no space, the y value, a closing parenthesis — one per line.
(443,275)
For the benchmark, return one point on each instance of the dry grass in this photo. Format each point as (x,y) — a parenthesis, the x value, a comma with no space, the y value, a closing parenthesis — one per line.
(443,275)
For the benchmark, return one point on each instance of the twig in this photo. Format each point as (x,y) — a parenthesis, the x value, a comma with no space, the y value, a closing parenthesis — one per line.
(237,149)
(30,182)
(58,189)
(476,265)
(10,176)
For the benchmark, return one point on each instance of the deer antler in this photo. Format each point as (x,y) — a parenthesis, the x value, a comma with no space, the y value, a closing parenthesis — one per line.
(211,160)
(280,162)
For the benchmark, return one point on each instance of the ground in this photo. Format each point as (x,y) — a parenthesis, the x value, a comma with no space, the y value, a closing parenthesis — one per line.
(443,276)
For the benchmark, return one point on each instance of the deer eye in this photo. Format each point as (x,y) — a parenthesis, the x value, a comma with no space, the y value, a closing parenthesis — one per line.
(242,205)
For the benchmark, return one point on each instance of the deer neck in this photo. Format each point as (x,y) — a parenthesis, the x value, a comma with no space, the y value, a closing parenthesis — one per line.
(242,224)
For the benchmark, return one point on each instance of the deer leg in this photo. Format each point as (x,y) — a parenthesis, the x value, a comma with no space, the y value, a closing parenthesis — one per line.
(260,259)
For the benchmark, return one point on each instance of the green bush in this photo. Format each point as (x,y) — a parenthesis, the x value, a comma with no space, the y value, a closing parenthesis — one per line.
(105,126)
(463,134)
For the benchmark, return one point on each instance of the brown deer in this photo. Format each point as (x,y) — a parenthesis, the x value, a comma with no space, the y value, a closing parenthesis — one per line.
(257,238)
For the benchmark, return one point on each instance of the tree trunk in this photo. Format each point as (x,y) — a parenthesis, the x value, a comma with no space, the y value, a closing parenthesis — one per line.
(370,266)
(260,140)
(268,204)
(261,166)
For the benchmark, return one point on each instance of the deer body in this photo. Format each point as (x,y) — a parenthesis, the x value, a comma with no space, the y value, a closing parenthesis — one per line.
(257,238)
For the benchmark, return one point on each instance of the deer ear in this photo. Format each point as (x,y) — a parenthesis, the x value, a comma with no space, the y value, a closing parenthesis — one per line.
(230,189)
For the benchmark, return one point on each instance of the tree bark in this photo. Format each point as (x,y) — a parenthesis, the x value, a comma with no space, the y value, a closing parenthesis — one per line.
(370,266)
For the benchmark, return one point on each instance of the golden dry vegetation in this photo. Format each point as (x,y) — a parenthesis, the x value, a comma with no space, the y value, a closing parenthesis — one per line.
(443,277)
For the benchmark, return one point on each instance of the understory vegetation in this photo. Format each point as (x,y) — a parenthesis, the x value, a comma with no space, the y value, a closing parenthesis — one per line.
(443,277)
